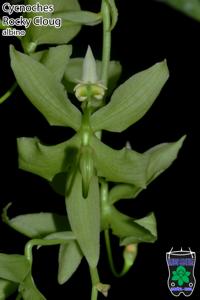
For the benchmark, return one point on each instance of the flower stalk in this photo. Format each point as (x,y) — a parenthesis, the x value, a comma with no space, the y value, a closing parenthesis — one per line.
(105,10)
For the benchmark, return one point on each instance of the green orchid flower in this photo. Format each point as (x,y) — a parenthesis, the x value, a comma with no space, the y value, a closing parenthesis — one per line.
(181,275)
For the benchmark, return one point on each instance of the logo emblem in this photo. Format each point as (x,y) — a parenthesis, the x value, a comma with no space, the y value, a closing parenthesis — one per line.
(181,266)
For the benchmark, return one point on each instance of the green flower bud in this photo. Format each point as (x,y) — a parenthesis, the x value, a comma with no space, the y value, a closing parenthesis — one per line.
(86,165)
(130,253)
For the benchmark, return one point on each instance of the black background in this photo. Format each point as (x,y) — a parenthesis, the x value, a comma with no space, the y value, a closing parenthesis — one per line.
(147,32)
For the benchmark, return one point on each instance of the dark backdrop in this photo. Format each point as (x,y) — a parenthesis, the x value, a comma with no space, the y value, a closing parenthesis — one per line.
(147,32)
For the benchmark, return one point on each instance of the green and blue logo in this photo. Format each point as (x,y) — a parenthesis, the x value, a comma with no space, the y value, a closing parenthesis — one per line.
(181,279)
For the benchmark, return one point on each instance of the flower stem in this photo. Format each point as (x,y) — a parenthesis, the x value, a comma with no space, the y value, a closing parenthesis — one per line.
(8,93)
(105,10)
(110,257)
(95,280)
(94,294)
(104,78)
(109,252)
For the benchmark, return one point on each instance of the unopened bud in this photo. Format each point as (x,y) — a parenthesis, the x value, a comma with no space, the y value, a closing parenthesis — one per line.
(130,253)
